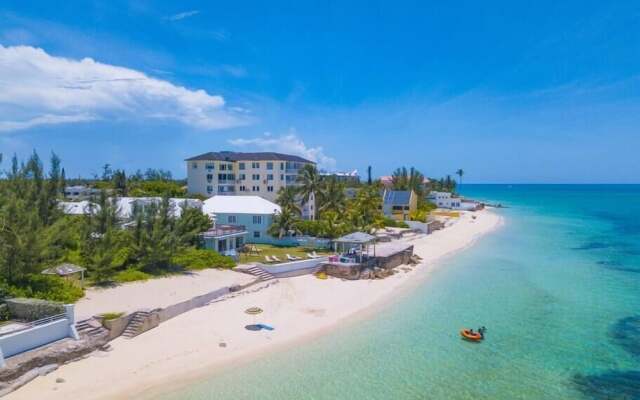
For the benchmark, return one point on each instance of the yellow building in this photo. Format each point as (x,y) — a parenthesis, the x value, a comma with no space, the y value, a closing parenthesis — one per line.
(398,204)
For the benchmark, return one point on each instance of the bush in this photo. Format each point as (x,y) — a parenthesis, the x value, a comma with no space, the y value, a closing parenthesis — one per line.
(33,309)
(131,275)
(111,315)
(390,222)
(47,288)
(200,259)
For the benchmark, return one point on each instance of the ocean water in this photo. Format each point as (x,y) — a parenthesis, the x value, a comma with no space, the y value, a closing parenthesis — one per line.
(558,288)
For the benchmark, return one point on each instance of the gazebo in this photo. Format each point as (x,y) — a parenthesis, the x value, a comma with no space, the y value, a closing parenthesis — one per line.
(66,270)
(360,240)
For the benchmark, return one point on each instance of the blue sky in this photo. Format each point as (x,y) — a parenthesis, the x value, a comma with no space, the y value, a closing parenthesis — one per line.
(510,92)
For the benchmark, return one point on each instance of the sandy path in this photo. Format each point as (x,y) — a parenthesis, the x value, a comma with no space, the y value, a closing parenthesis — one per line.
(187,348)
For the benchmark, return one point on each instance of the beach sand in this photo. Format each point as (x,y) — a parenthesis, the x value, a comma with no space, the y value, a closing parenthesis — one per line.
(187,348)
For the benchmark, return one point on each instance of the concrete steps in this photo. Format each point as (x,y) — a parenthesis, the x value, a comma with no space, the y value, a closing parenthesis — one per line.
(90,327)
(135,324)
(260,273)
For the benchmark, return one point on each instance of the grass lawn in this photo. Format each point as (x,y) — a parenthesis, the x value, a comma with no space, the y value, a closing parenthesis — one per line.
(278,251)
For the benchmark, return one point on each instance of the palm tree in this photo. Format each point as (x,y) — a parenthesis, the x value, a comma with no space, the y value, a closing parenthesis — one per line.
(310,185)
(333,197)
(460,172)
(287,199)
(283,223)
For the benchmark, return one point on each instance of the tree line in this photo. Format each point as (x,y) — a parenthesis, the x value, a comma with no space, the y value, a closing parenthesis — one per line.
(35,234)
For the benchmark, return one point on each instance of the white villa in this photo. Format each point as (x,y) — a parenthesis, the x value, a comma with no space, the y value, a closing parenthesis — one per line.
(238,174)
(252,213)
(450,201)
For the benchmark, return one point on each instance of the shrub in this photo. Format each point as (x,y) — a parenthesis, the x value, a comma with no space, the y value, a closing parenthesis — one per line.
(131,275)
(201,258)
(394,224)
(47,288)
(111,315)
(33,309)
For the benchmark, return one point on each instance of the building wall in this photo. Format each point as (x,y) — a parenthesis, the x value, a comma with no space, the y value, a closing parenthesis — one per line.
(203,177)
(252,226)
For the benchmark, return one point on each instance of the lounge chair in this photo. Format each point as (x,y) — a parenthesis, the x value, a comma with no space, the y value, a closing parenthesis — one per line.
(275,259)
(292,258)
(268,259)
(309,255)
(315,255)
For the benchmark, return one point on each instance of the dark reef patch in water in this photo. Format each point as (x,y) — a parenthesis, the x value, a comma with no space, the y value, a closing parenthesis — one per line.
(594,245)
(626,334)
(611,385)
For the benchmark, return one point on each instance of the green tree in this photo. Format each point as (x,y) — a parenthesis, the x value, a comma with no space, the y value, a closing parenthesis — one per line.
(333,197)
(460,173)
(284,223)
(310,185)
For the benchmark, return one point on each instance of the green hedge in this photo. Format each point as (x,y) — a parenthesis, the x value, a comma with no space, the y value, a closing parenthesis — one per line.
(33,309)
(201,258)
(44,287)
(131,275)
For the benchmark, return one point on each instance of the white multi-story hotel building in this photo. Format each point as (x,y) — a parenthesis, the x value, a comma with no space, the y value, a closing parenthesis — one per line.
(230,173)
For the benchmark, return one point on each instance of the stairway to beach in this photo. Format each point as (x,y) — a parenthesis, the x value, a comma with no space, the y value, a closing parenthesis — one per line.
(90,327)
(260,273)
(135,324)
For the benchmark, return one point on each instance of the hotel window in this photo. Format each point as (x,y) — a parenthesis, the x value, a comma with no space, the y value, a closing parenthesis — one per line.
(243,188)
(269,165)
(257,219)
(231,219)
(231,177)
(194,165)
(223,167)
(222,177)
(269,177)
(281,166)
(209,177)
(281,177)
(256,188)
(269,188)
(256,234)
(209,166)
(209,189)
(242,177)
(241,166)
(255,177)
(255,165)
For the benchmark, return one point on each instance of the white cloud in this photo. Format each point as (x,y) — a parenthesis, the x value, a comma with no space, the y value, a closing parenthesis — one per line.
(37,89)
(288,143)
(183,15)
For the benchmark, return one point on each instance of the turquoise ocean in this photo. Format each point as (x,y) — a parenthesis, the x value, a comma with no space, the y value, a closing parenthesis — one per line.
(558,288)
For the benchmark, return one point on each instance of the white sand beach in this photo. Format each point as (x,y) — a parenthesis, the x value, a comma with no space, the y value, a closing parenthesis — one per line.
(187,347)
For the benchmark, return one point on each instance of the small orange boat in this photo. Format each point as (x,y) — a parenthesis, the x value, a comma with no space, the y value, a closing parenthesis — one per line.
(472,336)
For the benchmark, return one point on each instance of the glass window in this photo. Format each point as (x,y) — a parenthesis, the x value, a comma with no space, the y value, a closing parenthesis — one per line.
(269,177)
(242,177)
(209,189)
(231,219)
(256,234)
(269,188)
(241,166)
(194,165)
(256,177)
(257,219)
(269,165)
(255,165)
(223,167)
(209,166)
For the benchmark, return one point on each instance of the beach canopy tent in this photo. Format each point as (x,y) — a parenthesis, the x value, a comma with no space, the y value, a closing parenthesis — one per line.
(66,270)
(361,240)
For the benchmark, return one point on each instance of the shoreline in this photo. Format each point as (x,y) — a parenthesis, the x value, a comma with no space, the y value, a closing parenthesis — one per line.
(146,366)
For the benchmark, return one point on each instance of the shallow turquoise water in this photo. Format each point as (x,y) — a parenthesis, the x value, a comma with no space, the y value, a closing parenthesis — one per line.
(558,288)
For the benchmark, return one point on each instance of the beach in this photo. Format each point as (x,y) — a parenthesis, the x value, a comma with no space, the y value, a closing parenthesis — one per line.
(193,345)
